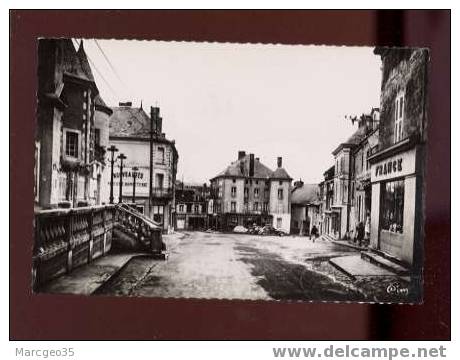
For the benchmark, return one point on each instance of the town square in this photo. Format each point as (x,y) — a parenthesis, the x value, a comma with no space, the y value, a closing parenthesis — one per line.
(139,197)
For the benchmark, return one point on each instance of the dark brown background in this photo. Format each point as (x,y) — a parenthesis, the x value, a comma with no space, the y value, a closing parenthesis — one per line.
(77,317)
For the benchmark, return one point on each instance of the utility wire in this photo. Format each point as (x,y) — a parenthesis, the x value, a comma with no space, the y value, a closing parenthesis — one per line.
(109,62)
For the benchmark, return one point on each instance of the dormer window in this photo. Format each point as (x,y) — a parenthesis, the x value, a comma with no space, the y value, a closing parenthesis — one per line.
(399,117)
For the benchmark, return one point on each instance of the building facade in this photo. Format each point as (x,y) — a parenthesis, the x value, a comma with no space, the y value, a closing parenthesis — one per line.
(305,208)
(191,206)
(397,168)
(329,217)
(247,192)
(130,133)
(71,130)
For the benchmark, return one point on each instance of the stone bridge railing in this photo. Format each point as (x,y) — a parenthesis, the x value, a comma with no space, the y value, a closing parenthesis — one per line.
(68,238)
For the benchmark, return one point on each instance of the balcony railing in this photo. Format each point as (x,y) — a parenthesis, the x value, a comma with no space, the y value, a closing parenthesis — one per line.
(162,192)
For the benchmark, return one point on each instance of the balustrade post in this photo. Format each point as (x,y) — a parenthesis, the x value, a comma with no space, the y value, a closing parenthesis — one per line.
(36,259)
(90,216)
(69,234)
(104,226)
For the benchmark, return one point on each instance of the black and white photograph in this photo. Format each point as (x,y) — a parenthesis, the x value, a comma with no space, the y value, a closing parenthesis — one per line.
(237,171)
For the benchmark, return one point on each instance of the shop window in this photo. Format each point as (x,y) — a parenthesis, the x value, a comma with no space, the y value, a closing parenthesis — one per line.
(279,222)
(393,206)
(71,143)
(399,117)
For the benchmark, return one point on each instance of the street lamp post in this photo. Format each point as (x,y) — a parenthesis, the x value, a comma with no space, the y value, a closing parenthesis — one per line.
(134,170)
(113,150)
(121,157)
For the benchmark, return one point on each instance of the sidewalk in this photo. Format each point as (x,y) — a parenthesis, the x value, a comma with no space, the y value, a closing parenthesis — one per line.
(86,279)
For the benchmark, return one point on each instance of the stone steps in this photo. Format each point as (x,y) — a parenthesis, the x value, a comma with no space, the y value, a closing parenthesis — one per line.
(385,262)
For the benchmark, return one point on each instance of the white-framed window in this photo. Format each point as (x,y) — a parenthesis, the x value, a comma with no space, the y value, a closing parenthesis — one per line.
(233,191)
(399,117)
(72,143)
(160,155)
(181,208)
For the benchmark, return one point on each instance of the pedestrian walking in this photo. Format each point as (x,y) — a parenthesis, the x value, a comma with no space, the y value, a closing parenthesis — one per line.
(314,233)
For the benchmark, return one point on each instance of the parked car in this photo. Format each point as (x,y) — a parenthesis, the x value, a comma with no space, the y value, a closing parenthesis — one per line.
(240,229)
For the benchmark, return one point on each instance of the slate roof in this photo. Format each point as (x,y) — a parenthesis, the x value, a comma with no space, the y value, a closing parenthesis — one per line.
(129,122)
(260,170)
(305,195)
(358,136)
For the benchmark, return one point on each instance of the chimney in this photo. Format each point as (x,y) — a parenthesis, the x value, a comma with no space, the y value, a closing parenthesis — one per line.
(251,164)
(125,104)
(298,183)
(257,159)
(159,124)
(241,154)
(280,161)
(242,167)
(154,114)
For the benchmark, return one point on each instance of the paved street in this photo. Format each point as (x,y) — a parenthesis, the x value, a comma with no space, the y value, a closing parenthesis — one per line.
(233,266)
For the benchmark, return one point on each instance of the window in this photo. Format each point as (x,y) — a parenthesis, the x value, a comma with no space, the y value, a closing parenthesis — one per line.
(220,191)
(71,143)
(159,180)
(280,194)
(197,209)
(97,137)
(181,208)
(189,208)
(266,193)
(246,192)
(256,206)
(160,155)
(246,182)
(233,206)
(399,117)
(393,206)
(281,183)
(256,192)
(257,182)
(265,208)
(233,191)
(234,180)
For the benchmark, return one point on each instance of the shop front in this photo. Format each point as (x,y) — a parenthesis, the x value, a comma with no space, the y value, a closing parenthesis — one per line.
(396,212)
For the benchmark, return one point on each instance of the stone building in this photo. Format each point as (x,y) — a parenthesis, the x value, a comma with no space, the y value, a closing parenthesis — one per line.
(397,168)
(191,206)
(130,129)
(248,192)
(361,194)
(305,208)
(70,134)
(329,219)
(351,188)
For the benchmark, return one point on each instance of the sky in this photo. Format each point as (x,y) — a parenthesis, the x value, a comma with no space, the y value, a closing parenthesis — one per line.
(219,98)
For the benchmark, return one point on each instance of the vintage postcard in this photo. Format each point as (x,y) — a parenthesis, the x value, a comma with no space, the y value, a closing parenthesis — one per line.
(230,171)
